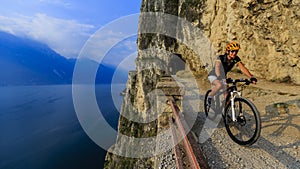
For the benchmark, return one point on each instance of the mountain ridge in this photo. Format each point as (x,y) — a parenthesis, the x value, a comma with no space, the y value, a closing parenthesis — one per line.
(28,62)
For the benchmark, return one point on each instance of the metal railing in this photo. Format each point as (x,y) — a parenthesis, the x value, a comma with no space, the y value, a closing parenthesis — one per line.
(194,162)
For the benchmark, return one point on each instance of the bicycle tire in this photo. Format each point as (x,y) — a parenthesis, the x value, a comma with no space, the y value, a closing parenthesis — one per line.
(206,105)
(243,123)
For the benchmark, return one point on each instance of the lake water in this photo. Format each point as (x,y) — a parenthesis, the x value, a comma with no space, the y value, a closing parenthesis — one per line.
(39,128)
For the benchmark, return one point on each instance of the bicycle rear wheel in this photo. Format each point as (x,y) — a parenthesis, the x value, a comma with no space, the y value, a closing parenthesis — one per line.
(207,106)
(246,129)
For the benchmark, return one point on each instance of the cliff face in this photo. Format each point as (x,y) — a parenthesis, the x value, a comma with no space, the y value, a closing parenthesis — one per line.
(268,31)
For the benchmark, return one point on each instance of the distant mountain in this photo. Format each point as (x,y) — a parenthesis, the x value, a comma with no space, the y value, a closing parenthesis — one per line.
(104,72)
(28,62)
(24,61)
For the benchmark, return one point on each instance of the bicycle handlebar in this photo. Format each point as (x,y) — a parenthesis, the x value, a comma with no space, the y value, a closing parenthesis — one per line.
(234,81)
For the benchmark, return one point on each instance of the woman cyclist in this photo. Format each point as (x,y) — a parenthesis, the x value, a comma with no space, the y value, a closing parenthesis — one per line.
(223,64)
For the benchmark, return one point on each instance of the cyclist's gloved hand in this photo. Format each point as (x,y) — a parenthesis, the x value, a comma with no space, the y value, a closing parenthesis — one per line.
(228,80)
(253,80)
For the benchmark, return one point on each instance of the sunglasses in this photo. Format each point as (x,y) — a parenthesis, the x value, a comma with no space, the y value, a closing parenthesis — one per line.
(232,51)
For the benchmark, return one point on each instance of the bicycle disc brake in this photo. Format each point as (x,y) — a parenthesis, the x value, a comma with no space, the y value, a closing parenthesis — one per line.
(241,120)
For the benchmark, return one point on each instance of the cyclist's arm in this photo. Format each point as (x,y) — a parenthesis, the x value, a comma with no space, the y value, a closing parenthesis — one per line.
(218,67)
(244,70)
(247,72)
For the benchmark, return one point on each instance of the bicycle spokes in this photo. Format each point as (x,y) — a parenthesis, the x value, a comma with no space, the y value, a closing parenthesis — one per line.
(245,130)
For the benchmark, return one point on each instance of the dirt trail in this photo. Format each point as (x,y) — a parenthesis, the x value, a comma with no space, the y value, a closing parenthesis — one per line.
(279,144)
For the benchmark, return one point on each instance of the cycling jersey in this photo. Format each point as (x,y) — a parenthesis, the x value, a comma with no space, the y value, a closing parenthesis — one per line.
(226,66)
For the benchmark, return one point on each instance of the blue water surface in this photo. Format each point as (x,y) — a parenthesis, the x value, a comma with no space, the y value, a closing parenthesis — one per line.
(39,128)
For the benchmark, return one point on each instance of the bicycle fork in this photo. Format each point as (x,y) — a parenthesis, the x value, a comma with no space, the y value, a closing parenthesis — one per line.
(234,94)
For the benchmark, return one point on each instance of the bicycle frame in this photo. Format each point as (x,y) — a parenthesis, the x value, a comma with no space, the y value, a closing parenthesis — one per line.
(232,93)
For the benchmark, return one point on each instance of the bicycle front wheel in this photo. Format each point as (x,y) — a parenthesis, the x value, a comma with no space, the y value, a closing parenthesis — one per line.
(246,129)
(206,104)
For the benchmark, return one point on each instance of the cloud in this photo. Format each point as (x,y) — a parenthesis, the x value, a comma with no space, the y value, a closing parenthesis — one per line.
(64,36)
(117,46)
(114,44)
(123,54)
(113,49)
(56,2)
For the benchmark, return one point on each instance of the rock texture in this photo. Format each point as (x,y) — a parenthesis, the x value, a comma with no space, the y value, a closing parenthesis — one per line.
(268,31)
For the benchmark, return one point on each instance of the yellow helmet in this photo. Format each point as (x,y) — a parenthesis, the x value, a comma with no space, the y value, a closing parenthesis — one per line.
(233,46)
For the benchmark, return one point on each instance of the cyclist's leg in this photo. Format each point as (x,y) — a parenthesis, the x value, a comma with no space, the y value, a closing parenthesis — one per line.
(216,83)
(226,94)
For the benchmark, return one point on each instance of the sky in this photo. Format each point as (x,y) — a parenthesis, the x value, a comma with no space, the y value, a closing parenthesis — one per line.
(64,25)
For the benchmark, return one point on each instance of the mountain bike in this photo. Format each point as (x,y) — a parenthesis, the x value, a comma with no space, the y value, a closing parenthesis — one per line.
(241,117)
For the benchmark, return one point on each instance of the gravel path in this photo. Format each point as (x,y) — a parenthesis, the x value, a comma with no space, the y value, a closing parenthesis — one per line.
(279,143)
(270,151)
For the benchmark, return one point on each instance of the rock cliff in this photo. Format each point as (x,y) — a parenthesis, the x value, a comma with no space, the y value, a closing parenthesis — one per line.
(268,31)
